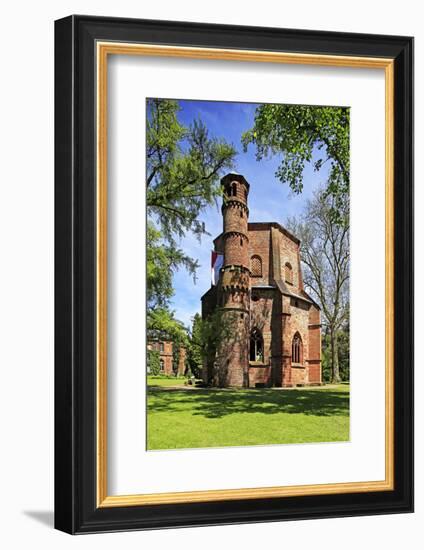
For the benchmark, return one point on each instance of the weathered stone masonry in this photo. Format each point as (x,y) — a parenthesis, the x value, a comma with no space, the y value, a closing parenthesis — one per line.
(273,327)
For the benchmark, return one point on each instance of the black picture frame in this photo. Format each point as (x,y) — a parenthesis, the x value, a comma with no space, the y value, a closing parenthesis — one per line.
(76,510)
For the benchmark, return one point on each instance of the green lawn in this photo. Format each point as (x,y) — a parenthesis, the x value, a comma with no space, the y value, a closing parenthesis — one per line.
(165,382)
(191,418)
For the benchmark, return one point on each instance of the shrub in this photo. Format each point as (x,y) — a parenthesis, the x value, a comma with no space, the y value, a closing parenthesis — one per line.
(153,362)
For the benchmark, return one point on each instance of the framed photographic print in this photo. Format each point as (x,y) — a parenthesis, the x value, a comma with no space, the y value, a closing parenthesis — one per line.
(234,269)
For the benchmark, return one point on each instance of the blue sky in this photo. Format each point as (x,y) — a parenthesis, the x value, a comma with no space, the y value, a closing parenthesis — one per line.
(269,199)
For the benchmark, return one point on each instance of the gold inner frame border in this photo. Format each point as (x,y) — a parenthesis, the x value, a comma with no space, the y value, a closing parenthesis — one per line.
(103,50)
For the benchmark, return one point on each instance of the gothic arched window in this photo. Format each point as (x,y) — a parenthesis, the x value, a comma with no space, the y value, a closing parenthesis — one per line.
(297,349)
(288,273)
(161,363)
(256,346)
(234,189)
(256,266)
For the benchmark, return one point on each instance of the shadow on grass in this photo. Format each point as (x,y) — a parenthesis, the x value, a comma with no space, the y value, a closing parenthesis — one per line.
(156,387)
(216,403)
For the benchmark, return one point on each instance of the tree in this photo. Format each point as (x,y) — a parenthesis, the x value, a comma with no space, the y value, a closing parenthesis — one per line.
(206,340)
(153,362)
(182,177)
(217,339)
(195,347)
(299,133)
(325,255)
(162,325)
(162,261)
(343,354)
(184,166)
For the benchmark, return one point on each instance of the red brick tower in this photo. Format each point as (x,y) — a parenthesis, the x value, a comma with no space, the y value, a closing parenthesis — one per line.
(234,284)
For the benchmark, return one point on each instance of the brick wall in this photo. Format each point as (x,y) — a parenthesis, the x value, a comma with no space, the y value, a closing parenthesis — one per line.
(315,372)
(260,244)
(261,304)
(260,375)
(167,364)
(314,358)
(235,217)
(299,375)
(295,320)
(236,249)
(165,349)
(314,344)
(289,252)
(232,355)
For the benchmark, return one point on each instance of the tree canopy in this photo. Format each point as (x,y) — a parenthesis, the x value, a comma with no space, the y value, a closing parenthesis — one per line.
(195,348)
(301,134)
(183,168)
(184,165)
(162,260)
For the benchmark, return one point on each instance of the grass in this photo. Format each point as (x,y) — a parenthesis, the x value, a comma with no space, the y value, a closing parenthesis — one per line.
(191,418)
(165,381)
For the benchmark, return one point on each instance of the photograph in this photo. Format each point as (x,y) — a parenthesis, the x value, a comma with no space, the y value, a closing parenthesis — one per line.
(247,273)
(233,264)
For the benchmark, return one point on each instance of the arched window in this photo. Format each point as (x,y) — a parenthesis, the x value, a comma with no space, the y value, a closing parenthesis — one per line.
(161,365)
(161,347)
(297,349)
(256,266)
(234,189)
(288,273)
(256,346)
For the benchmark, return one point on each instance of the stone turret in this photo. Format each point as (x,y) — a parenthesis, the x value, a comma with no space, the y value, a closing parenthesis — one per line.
(234,283)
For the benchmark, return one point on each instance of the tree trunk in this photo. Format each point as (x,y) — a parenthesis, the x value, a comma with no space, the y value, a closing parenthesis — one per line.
(335,373)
